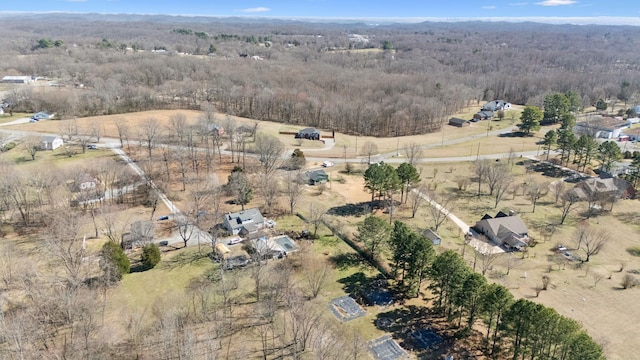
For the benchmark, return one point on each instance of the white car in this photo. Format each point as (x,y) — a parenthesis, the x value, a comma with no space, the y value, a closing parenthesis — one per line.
(327,164)
(271,224)
(234,240)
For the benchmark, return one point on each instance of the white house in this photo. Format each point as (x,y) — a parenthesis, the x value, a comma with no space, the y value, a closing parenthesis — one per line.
(602,127)
(51,142)
(16,79)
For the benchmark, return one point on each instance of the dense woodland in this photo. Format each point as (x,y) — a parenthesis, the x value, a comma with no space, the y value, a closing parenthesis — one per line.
(400,80)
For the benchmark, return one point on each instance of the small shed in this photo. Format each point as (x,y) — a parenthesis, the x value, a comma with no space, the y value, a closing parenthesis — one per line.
(458,122)
(431,235)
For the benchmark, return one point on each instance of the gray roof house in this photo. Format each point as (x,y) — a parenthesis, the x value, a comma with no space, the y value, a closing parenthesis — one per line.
(595,188)
(509,231)
(244,222)
(314,177)
(51,142)
(483,115)
(496,105)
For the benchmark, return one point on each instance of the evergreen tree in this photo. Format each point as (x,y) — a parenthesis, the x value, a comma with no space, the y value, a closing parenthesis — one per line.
(550,139)
(530,117)
(150,256)
(374,233)
(114,262)
(409,176)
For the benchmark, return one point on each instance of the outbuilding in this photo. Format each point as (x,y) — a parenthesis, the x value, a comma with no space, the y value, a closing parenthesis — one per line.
(454,121)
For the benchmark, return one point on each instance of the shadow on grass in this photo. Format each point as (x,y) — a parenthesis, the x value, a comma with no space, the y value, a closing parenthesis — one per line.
(183,259)
(359,209)
(344,261)
(357,284)
(405,320)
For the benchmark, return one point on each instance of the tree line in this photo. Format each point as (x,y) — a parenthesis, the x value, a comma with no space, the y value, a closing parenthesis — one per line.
(433,70)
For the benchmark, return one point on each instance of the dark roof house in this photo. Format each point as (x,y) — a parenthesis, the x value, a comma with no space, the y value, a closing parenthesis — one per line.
(458,122)
(483,115)
(308,133)
(508,231)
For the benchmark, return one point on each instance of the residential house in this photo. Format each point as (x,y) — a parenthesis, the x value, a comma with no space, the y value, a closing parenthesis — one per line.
(42,115)
(431,235)
(215,129)
(496,105)
(633,134)
(483,115)
(458,122)
(314,177)
(505,230)
(16,79)
(308,133)
(598,188)
(244,222)
(51,142)
(142,233)
(602,127)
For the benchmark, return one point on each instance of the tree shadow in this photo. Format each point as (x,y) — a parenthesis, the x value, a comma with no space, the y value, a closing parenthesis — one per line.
(183,259)
(357,285)
(632,218)
(359,209)
(344,261)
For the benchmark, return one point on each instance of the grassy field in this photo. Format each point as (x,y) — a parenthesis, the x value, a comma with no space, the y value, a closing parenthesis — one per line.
(352,144)
(590,292)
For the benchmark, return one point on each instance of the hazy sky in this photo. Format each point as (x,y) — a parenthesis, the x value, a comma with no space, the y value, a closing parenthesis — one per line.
(345,8)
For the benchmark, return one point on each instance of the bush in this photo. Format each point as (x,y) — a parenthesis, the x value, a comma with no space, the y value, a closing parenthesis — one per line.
(115,262)
(150,256)
(635,250)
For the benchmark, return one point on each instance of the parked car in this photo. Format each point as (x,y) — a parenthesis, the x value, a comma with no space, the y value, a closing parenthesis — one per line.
(327,164)
(92,147)
(163,243)
(163,217)
(234,240)
(271,224)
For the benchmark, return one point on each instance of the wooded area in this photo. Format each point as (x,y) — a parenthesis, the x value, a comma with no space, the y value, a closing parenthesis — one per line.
(404,79)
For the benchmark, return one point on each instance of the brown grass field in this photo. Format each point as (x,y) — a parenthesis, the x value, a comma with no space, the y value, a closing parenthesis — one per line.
(606,311)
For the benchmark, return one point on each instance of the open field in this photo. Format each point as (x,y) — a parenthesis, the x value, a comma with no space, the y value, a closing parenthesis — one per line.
(603,308)
(351,143)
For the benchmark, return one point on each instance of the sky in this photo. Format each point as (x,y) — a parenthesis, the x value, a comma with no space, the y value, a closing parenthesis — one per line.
(563,11)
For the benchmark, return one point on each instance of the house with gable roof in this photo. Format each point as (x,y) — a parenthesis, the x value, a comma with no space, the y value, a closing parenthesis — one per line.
(504,230)
(244,222)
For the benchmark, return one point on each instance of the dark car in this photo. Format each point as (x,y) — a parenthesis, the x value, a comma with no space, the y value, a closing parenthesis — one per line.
(163,243)
(163,217)
(92,147)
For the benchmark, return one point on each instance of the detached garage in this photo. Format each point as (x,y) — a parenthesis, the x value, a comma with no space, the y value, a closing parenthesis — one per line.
(458,122)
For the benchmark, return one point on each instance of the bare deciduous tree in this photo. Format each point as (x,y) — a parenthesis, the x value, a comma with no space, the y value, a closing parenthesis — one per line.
(270,150)
(568,199)
(557,188)
(369,149)
(316,271)
(590,240)
(293,190)
(150,132)
(440,207)
(535,190)
(416,198)
(413,152)
(269,188)
(316,215)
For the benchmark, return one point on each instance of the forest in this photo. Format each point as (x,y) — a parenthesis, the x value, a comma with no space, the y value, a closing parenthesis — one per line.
(389,80)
